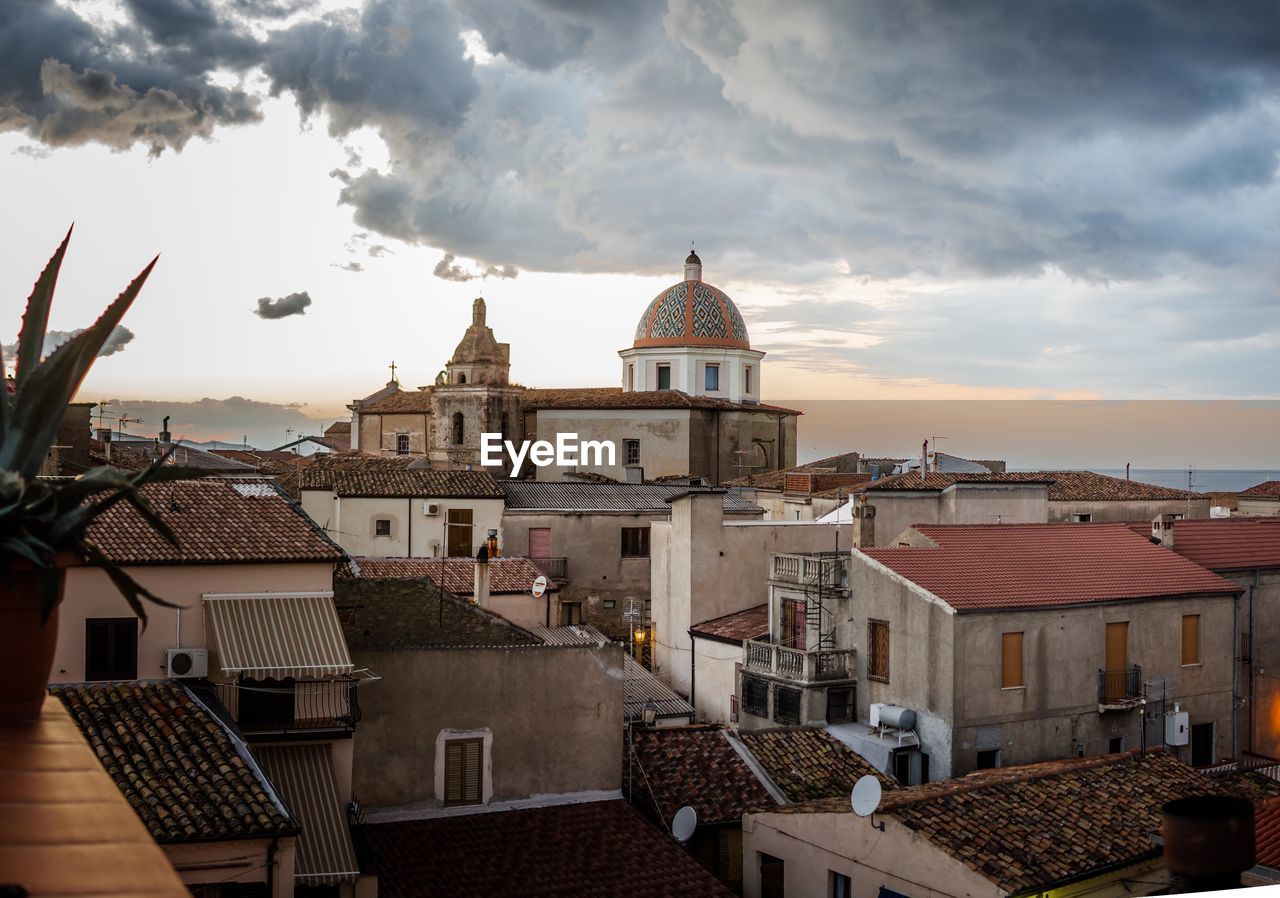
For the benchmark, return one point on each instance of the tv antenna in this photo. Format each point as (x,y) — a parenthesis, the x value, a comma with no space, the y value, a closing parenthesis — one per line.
(684,823)
(124,420)
(865,798)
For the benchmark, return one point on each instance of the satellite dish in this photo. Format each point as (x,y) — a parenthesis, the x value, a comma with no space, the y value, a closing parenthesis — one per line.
(684,823)
(539,587)
(866,796)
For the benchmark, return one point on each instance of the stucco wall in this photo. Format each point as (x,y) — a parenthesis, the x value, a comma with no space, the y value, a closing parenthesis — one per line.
(714,679)
(1128,511)
(663,434)
(240,861)
(1265,507)
(90,594)
(553,714)
(1259,682)
(350,523)
(897,510)
(705,566)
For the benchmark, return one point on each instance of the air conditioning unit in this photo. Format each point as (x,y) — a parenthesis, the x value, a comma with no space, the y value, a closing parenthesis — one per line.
(431,508)
(184,663)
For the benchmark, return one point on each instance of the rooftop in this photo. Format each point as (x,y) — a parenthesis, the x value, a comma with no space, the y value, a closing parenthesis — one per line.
(734,628)
(1086,486)
(616,398)
(936,481)
(695,766)
(404,476)
(998,566)
(807,763)
(186,776)
(637,498)
(413,402)
(216,521)
(1266,824)
(1225,544)
(599,848)
(1269,489)
(506,575)
(1024,828)
(640,687)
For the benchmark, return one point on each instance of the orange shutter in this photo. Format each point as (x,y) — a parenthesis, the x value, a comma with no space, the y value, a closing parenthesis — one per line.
(1191,639)
(1011,663)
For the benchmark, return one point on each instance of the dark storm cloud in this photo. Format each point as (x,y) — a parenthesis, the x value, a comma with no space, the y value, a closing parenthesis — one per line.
(293,304)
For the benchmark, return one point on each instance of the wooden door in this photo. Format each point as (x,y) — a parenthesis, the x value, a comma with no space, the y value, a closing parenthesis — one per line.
(459,542)
(1117,658)
(539,542)
(793,623)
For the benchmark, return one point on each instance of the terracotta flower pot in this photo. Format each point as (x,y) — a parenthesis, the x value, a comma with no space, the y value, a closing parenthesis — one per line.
(26,644)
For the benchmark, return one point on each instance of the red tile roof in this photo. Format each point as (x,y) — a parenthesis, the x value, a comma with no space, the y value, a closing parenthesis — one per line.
(356,475)
(217,521)
(413,402)
(600,848)
(1087,486)
(807,763)
(506,575)
(991,566)
(1269,489)
(617,398)
(1266,824)
(176,764)
(1226,544)
(695,766)
(733,628)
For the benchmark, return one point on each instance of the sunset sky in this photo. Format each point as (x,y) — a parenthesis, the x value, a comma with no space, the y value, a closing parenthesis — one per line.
(1070,200)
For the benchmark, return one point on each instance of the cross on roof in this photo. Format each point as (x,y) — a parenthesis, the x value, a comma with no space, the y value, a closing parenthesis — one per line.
(393,371)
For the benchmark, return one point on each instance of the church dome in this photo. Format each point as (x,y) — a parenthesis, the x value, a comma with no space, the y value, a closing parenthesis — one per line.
(692,313)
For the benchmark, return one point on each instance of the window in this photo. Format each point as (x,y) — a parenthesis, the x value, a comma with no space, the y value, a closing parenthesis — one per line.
(1201,744)
(746,379)
(840,704)
(459,428)
(988,758)
(610,604)
(878,650)
(1011,661)
(382,527)
(631,452)
(1116,745)
(111,648)
(786,705)
(841,885)
(1190,639)
(458,526)
(755,697)
(570,614)
(635,542)
(713,377)
(911,768)
(772,877)
(664,377)
(462,378)
(1083,518)
(631,377)
(402,444)
(463,775)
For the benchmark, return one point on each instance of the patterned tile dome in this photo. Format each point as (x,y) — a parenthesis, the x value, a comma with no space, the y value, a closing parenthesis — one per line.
(692,313)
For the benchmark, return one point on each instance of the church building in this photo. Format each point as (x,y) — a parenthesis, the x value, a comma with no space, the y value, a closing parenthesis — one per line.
(688,404)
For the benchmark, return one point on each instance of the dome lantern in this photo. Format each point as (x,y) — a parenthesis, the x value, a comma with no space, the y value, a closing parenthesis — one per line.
(692,267)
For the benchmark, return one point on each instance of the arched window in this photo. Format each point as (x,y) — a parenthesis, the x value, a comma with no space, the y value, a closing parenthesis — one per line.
(459,429)
(462,378)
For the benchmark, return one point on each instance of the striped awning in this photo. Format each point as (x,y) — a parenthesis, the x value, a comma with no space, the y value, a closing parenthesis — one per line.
(278,636)
(303,774)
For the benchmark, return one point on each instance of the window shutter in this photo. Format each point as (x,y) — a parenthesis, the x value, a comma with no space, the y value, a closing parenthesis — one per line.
(452,772)
(463,774)
(1011,656)
(878,640)
(1191,639)
(471,779)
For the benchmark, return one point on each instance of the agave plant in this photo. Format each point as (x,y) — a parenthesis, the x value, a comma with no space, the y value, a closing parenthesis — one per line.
(41,519)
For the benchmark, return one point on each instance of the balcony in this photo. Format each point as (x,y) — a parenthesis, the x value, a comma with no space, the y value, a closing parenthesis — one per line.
(279,707)
(795,664)
(829,570)
(1119,690)
(556,569)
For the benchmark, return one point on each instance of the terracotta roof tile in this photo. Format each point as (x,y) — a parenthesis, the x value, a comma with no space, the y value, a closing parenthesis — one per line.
(175,763)
(695,766)
(1225,544)
(512,574)
(935,481)
(600,848)
(807,763)
(1087,486)
(400,402)
(217,521)
(1023,828)
(1266,825)
(617,398)
(733,628)
(355,475)
(1269,489)
(988,566)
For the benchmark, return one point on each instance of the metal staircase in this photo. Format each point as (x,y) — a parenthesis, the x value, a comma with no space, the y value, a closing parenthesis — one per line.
(819,591)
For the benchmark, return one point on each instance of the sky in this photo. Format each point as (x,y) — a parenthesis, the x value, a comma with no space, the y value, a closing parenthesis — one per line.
(908,199)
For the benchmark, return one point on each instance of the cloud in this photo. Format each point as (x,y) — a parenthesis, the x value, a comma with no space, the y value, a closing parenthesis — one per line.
(120,337)
(350,265)
(293,304)
(447,270)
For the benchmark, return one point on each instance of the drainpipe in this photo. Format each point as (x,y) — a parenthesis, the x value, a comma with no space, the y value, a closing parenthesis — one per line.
(271,866)
(1253,680)
(693,676)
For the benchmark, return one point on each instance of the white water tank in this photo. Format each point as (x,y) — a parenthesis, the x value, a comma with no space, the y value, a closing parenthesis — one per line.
(1177,727)
(897,716)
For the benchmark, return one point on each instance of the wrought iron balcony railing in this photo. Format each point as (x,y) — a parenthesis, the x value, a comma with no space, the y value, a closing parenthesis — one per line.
(554,568)
(1120,688)
(288,706)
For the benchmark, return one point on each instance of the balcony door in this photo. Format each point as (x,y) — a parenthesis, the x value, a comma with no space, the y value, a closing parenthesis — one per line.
(1117,659)
(793,623)
(539,542)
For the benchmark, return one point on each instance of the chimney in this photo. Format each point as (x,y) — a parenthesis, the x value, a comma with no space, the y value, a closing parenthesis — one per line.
(104,437)
(492,544)
(864,524)
(165,437)
(480,588)
(1209,841)
(1162,530)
